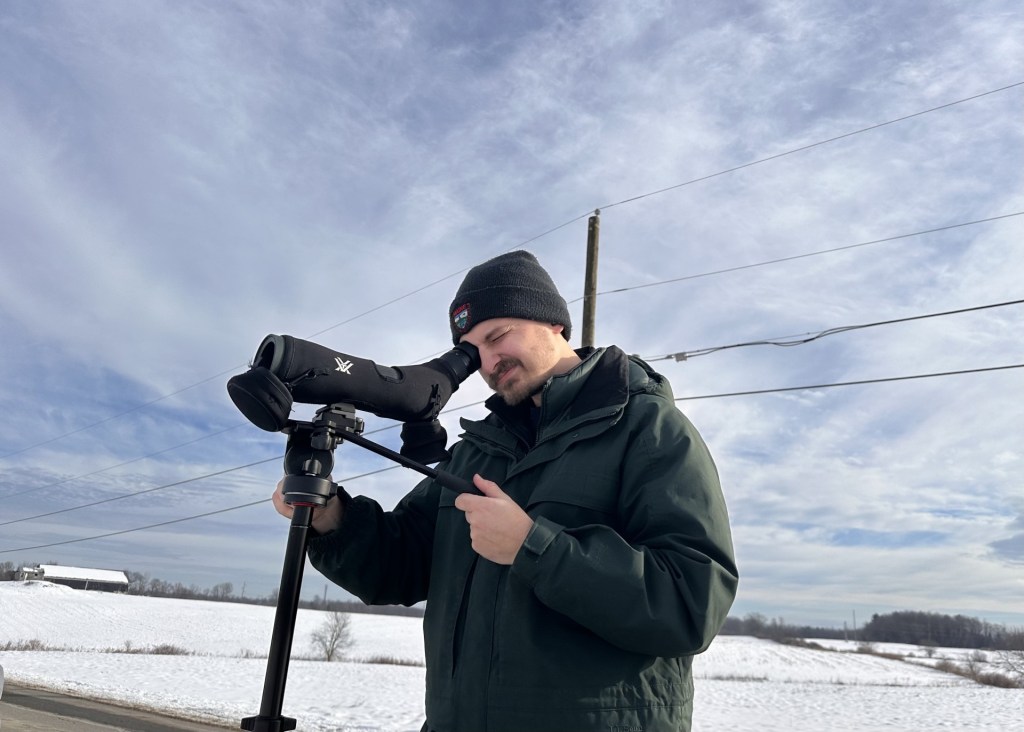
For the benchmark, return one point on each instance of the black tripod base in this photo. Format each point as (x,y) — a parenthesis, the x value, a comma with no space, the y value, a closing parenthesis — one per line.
(268,724)
(309,459)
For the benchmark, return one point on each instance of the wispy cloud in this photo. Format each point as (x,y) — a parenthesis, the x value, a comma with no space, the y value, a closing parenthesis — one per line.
(181,179)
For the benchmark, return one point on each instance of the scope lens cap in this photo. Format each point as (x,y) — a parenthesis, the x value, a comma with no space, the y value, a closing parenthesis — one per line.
(262,398)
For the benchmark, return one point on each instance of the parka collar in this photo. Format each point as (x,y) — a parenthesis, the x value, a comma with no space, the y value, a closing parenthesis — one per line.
(599,383)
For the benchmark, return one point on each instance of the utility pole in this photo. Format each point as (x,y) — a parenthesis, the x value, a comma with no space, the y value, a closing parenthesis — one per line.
(590,279)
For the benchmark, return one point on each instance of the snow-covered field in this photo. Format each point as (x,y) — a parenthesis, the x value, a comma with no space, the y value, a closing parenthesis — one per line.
(742,683)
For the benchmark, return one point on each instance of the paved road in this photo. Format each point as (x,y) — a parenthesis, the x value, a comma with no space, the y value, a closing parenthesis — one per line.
(24,709)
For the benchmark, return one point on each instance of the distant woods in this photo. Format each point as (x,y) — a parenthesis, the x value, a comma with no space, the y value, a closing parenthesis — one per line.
(912,627)
(142,584)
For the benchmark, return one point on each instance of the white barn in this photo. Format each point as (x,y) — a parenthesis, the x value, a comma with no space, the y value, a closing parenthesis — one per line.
(81,578)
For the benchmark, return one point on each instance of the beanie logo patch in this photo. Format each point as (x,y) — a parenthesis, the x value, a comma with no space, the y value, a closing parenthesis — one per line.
(460,318)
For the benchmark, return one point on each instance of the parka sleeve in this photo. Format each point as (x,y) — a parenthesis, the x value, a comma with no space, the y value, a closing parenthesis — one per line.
(661,581)
(381,557)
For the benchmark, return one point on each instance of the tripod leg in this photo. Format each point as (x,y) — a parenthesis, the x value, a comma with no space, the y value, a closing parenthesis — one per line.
(270,719)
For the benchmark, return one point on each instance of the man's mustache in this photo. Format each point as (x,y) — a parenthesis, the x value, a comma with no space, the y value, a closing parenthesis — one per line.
(499,370)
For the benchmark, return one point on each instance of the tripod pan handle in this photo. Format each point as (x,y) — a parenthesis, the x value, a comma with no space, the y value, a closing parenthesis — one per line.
(455,483)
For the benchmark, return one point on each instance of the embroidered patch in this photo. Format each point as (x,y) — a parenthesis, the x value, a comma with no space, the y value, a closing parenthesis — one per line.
(460,318)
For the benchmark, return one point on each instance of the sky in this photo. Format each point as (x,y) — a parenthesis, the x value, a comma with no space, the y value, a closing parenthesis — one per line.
(181,179)
(741,683)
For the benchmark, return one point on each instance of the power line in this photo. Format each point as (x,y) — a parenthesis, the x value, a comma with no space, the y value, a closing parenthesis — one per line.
(546,233)
(814,144)
(799,341)
(142,492)
(848,383)
(112,417)
(121,464)
(129,531)
(678,356)
(162,523)
(807,254)
(678,399)
(447,277)
(168,485)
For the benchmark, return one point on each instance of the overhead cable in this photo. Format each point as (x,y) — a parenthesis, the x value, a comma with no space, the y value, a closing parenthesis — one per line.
(678,356)
(813,145)
(787,341)
(678,399)
(129,531)
(130,495)
(142,492)
(805,255)
(121,464)
(809,387)
(541,235)
(169,449)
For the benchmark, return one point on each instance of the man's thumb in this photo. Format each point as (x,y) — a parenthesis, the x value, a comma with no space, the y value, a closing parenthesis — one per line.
(487,487)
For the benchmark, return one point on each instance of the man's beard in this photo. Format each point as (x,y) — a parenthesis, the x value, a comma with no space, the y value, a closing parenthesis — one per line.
(519,388)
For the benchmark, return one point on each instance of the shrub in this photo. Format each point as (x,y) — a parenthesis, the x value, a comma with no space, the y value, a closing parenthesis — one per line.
(164,649)
(30,645)
(972,672)
(392,661)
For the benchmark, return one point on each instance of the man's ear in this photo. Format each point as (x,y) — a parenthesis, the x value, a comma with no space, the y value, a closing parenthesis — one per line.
(557,328)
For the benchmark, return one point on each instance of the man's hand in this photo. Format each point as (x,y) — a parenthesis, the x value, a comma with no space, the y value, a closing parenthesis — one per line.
(497,525)
(325,519)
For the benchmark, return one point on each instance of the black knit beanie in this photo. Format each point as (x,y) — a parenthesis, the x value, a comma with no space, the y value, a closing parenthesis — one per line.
(512,285)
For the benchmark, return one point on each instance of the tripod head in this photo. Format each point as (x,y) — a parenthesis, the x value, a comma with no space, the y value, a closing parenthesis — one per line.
(309,454)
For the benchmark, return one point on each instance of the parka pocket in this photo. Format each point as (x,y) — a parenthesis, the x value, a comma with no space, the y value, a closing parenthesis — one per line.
(576,498)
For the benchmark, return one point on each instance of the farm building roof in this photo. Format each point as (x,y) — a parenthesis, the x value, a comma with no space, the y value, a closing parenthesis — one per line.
(59,571)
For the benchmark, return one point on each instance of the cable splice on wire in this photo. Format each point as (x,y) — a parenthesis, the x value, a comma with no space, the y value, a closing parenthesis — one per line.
(788,341)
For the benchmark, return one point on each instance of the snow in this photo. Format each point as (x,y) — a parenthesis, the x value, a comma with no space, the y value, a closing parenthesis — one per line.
(741,683)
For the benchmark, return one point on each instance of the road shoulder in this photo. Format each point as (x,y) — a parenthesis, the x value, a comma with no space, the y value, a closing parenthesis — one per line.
(28,709)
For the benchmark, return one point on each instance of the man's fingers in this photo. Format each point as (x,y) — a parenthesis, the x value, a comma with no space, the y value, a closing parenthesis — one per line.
(279,503)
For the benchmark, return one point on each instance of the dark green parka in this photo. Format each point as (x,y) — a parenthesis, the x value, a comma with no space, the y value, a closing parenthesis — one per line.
(627,572)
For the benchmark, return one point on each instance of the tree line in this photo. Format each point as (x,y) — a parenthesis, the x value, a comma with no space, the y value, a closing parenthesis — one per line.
(911,627)
(907,626)
(140,583)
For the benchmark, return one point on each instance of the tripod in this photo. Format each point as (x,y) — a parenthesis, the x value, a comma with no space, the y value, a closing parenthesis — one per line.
(308,461)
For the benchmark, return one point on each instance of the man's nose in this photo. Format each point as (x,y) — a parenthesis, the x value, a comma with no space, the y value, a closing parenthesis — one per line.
(489,361)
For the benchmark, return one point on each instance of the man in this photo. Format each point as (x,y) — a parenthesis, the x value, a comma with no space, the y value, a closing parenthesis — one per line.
(573,592)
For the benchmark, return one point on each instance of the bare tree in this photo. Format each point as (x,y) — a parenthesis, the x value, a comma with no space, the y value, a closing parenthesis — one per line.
(1012,663)
(334,637)
(222,591)
(137,582)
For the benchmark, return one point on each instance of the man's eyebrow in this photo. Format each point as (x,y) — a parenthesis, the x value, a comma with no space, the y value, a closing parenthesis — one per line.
(497,330)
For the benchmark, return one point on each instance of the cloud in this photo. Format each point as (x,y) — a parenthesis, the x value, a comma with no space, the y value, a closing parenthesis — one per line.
(183,179)
(1011,549)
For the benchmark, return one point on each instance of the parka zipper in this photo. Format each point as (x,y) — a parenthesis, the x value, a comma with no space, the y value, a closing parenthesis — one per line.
(460,619)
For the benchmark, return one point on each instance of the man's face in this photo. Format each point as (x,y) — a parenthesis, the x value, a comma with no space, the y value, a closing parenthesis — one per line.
(517,357)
